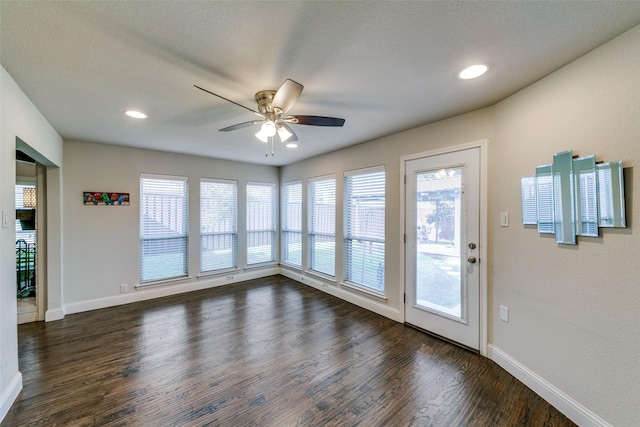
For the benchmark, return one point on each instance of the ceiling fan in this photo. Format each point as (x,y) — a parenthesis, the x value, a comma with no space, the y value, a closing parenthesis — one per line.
(272,108)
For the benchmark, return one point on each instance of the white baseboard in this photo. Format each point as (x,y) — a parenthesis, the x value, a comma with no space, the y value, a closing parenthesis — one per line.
(10,394)
(560,400)
(349,296)
(56,314)
(174,288)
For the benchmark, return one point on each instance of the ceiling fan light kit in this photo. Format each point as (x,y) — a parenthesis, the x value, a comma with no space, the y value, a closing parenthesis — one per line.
(267,130)
(272,106)
(284,133)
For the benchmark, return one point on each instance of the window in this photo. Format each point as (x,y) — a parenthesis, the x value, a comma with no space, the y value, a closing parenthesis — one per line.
(261,230)
(25,196)
(291,220)
(164,227)
(364,204)
(218,224)
(322,225)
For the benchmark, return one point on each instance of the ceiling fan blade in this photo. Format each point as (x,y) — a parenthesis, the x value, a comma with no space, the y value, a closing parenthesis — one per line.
(240,125)
(315,121)
(233,102)
(287,95)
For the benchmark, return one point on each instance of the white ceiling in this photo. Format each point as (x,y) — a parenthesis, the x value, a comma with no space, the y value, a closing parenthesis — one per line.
(384,66)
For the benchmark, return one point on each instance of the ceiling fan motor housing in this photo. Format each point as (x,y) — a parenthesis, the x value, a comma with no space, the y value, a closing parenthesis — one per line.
(265,99)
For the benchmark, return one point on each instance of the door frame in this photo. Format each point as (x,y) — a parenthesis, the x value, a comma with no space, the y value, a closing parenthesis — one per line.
(41,241)
(482,263)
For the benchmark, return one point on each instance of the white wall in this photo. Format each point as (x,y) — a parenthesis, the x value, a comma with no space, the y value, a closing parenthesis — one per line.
(574,310)
(18,119)
(101,244)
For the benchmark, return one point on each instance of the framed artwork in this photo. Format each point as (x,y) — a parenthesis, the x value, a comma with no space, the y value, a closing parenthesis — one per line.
(105,198)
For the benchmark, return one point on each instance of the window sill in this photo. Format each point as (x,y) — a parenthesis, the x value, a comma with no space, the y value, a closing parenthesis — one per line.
(261,265)
(163,282)
(292,267)
(207,274)
(375,294)
(321,276)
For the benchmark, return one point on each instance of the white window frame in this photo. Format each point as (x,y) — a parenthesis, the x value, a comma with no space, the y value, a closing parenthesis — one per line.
(261,225)
(218,225)
(364,228)
(291,224)
(172,214)
(325,232)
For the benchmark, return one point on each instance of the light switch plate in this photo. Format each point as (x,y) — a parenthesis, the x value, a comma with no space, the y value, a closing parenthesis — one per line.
(504,219)
(504,313)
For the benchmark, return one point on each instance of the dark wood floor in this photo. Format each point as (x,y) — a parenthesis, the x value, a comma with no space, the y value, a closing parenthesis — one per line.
(268,352)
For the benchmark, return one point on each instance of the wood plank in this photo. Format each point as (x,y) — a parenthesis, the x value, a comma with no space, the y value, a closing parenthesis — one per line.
(267,352)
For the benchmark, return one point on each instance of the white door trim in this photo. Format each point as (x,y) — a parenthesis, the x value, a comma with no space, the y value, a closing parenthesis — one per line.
(482,144)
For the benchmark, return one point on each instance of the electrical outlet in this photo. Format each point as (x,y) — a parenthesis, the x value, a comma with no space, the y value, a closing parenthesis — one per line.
(124,289)
(504,313)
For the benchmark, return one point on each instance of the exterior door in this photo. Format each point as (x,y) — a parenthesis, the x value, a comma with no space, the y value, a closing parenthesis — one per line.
(442,237)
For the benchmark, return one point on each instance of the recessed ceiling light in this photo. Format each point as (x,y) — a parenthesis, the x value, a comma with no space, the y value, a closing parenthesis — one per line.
(292,145)
(473,71)
(136,114)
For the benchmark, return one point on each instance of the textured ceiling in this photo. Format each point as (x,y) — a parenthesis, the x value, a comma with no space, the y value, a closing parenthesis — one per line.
(383,66)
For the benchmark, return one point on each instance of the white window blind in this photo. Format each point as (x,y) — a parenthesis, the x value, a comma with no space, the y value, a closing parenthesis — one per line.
(27,234)
(218,224)
(19,194)
(164,203)
(322,225)
(261,225)
(291,223)
(364,213)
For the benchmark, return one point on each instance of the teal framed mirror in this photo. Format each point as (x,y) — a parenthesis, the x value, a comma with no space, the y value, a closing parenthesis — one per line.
(586,197)
(529,200)
(611,195)
(563,198)
(574,197)
(544,196)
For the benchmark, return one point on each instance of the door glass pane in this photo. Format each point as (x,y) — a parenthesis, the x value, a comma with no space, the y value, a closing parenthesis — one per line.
(438,213)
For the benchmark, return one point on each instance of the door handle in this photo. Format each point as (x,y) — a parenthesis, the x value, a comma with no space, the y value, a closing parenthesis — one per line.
(472,260)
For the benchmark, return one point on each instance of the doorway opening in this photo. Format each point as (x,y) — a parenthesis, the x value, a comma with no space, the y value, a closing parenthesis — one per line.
(28,201)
